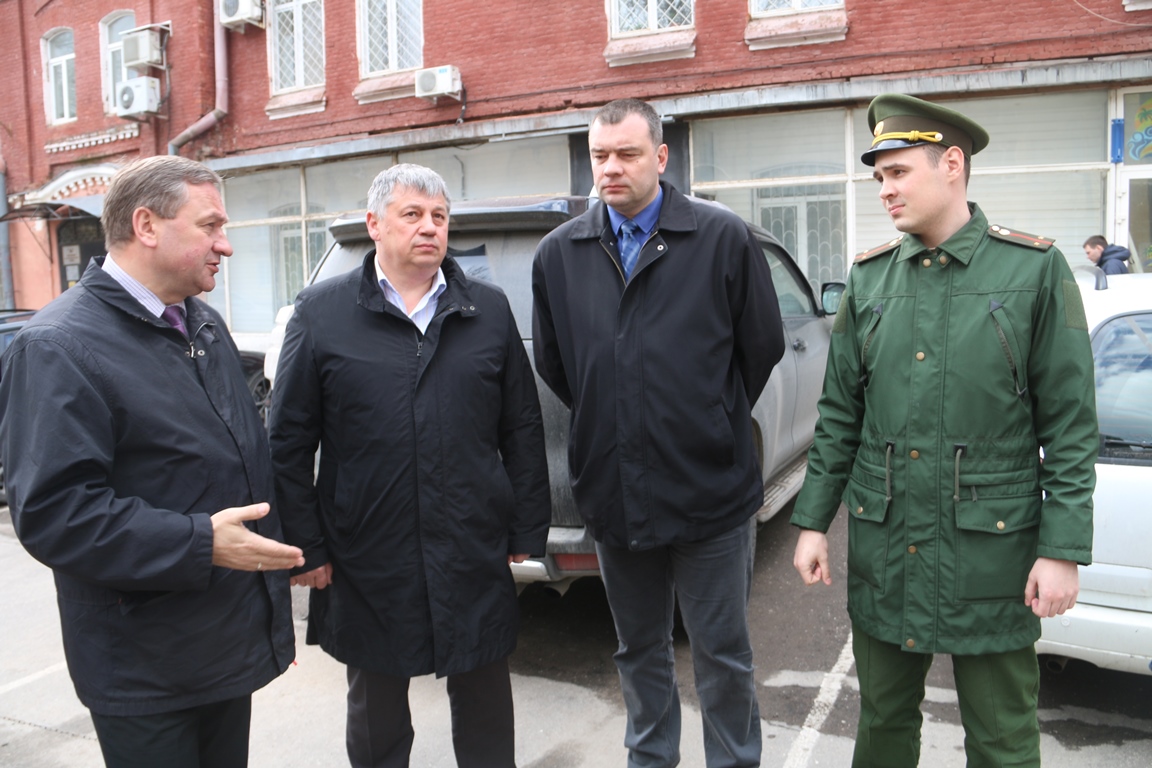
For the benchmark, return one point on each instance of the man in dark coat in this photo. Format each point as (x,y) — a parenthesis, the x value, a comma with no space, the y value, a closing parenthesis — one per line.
(1112,259)
(414,381)
(138,470)
(660,345)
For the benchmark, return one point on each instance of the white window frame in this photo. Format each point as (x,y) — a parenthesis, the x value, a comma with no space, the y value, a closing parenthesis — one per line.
(614,21)
(108,51)
(51,65)
(796,25)
(364,33)
(274,10)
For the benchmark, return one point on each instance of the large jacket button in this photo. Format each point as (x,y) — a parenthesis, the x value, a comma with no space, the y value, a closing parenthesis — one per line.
(910,643)
(915,454)
(927,262)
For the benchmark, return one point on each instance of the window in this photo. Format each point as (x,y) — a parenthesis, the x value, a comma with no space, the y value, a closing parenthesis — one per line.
(279,218)
(112,32)
(643,31)
(297,44)
(391,35)
(60,99)
(783,23)
(650,15)
(1122,354)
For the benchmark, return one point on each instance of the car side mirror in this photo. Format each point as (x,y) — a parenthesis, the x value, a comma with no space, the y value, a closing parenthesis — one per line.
(830,296)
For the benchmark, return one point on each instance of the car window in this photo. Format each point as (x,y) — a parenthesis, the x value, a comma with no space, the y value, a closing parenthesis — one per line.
(790,292)
(1122,352)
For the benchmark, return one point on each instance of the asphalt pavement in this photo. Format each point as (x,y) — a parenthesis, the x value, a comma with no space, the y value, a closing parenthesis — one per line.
(568,708)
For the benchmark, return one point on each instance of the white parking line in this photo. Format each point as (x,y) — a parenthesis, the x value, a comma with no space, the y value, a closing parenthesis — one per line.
(801,752)
(33,677)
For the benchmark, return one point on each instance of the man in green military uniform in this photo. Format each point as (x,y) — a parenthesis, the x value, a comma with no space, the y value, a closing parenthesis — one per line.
(959,351)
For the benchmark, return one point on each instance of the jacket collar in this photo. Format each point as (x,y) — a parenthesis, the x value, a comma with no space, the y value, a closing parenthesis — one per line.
(961,246)
(104,287)
(456,296)
(676,215)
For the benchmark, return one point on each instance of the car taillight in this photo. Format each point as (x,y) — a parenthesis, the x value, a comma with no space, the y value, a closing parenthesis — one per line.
(577,563)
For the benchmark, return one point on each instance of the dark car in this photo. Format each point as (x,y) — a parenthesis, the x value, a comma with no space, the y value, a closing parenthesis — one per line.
(496,240)
(11,321)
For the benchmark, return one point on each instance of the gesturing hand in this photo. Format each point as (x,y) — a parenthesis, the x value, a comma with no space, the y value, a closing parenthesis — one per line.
(234,546)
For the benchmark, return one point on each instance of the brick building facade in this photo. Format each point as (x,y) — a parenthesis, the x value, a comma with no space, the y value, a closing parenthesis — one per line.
(764,101)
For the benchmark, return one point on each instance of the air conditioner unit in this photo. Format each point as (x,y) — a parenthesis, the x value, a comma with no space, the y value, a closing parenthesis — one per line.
(138,96)
(438,81)
(142,49)
(234,14)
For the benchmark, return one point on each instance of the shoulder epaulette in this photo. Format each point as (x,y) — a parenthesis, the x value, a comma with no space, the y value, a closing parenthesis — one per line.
(1021,238)
(879,250)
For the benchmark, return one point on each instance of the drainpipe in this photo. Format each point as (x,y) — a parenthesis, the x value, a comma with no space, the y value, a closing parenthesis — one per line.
(8,300)
(221,65)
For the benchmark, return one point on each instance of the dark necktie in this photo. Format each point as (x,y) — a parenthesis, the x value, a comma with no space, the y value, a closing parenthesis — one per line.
(629,246)
(175,319)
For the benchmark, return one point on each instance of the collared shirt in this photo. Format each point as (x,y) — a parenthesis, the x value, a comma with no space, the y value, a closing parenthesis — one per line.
(646,219)
(425,309)
(137,289)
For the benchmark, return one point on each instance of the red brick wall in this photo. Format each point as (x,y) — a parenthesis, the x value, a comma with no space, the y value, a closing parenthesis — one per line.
(24,131)
(517,57)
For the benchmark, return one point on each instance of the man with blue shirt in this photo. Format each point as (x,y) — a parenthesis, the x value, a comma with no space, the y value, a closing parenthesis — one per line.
(656,322)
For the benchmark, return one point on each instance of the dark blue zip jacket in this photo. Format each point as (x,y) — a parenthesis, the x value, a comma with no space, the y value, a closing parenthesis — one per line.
(660,373)
(120,439)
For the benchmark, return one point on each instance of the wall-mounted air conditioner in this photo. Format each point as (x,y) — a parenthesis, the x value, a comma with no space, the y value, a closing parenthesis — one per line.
(138,97)
(142,49)
(235,14)
(438,81)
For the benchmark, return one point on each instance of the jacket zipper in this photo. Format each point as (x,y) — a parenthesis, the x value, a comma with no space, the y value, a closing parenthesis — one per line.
(1006,346)
(871,334)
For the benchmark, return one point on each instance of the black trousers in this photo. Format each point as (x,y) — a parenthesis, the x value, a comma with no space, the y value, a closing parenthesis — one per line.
(380,731)
(208,736)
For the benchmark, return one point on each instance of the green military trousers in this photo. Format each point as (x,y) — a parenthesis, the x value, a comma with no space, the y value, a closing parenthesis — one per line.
(998,695)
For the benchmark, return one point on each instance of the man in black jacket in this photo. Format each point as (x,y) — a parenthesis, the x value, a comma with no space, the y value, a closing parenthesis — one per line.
(656,322)
(1112,259)
(138,470)
(414,382)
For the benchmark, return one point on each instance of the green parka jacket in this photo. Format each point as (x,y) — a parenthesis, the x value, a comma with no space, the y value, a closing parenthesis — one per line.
(949,370)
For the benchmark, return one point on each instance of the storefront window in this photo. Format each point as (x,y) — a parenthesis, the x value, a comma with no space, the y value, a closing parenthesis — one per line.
(1138,128)
(279,218)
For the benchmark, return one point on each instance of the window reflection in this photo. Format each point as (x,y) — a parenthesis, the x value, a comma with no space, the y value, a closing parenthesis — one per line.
(1122,350)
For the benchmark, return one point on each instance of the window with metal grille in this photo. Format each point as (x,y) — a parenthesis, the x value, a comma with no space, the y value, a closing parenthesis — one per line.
(112,32)
(631,16)
(767,6)
(391,35)
(296,42)
(60,88)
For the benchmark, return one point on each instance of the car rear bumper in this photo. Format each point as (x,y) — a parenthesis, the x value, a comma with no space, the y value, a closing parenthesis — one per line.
(1111,638)
(564,546)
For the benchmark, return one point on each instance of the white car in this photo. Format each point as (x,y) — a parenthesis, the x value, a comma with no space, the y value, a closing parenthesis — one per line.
(1111,624)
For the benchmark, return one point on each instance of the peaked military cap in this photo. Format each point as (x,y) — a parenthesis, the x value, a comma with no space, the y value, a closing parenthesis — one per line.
(899,121)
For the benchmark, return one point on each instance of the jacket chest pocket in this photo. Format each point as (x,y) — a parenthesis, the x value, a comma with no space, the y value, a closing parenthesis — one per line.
(1010,346)
(867,499)
(997,530)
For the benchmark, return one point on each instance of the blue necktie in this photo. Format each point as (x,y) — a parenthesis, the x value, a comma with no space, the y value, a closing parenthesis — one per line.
(629,246)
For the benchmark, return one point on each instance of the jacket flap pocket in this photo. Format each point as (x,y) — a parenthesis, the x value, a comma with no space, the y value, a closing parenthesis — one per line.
(864,502)
(998,515)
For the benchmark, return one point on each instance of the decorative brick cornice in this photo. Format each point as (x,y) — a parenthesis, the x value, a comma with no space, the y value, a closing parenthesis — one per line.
(119,133)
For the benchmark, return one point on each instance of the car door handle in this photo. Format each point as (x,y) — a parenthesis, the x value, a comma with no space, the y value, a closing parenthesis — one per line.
(799,345)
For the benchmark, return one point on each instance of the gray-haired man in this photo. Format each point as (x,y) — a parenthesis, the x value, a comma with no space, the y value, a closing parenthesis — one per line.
(414,382)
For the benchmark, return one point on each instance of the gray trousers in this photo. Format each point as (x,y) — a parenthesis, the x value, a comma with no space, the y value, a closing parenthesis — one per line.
(711,580)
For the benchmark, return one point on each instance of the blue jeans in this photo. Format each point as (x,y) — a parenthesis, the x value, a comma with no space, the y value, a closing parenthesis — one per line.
(711,580)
